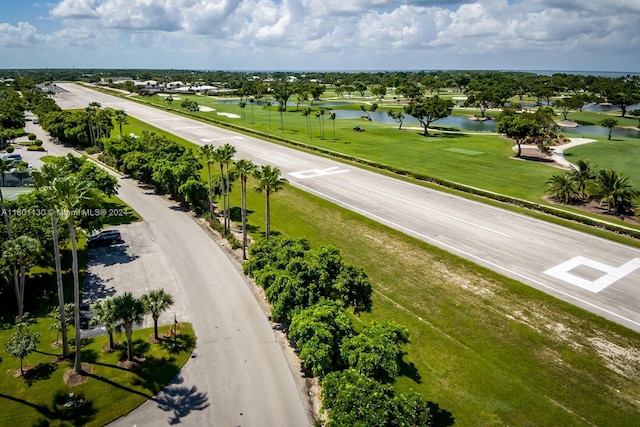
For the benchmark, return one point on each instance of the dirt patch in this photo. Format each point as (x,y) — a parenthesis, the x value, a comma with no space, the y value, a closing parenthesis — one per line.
(132,364)
(72,379)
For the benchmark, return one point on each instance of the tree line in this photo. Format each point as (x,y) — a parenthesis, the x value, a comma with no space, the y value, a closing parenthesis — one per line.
(312,293)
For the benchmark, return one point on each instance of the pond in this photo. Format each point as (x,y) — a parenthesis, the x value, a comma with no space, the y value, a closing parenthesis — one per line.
(460,122)
(602,131)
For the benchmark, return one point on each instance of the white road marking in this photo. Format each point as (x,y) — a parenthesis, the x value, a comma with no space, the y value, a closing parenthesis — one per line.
(313,173)
(219,139)
(612,274)
(432,210)
(468,254)
(191,127)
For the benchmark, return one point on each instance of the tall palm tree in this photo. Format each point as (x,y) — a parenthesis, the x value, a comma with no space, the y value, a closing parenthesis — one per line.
(130,311)
(206,153)
(242,106)
(306,112)
(332,116)
(268,181)
(104,313)
(244,168)
(73,193)
(44,180)
(155,302)
(223,156)
(268,105)
(120,116)
(282,107)
(22,252)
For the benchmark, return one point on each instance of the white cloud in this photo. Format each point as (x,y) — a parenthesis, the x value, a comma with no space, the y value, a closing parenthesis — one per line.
(345,31)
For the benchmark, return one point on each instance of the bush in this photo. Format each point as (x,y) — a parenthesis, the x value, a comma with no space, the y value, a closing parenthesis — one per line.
(92,150)
(10,149)
(35,148)
(32,137)
(38,142)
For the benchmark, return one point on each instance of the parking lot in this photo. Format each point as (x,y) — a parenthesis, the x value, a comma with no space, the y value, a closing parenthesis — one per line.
(137,265)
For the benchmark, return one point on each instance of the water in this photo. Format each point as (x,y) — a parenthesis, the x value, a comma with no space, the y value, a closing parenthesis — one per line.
(460,122)
(602,131)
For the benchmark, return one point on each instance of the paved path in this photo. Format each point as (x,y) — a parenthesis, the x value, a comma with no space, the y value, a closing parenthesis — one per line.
(558,151)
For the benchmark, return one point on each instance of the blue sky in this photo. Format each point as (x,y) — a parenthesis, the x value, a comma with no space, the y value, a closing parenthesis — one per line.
(572,35)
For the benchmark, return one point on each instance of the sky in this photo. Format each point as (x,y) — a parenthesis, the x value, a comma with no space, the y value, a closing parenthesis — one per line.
(318,35)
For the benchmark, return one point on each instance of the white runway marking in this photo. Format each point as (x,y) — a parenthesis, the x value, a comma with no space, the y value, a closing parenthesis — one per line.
(313,173)
(612,274)
(191,127)
(432,210)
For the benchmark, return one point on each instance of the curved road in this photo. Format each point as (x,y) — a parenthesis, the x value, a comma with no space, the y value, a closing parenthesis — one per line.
(596,274)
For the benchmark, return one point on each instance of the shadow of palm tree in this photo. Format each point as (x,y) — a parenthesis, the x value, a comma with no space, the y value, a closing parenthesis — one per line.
(181,401)
(79,415)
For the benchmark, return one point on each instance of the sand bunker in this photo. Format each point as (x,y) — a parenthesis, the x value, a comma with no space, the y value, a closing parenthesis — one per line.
(230,115)
(206,109)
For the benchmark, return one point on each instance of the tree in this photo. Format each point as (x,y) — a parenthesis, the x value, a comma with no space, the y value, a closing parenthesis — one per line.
(268,181)
(22,252)
(44,181)
(352,399)
(306,113)
(613,189)
(360,87)
(581,174)
(562,187)
(317,332)
(282,107)
(58,324)
(104,313)
(156,302)
(129,311)
(207,153)
(224,155)
(609,123)
(332,117)
(244,168)
(397,116)
(518,126)
(320,115)
(267,106)
(375,352)
(636,114)
(368,110)
(23,342)
(72,193)
(120,116)
(242,106)
(428,110)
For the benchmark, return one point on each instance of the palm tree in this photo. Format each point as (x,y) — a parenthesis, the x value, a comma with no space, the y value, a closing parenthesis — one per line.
(332,116)
(268,105)
(104,313)
(5,166)
(207,154)
(251,101)
(582,173)
(223,155)
(306,112)
(244,168)
(562,187)
(91,114)
(282,107)
(320,115)
(613,189)
(242,106)
(72,193)
(44,181)
(155,302)
(120,116)
(130,311)
(609,123)
(22,252)
(269,181)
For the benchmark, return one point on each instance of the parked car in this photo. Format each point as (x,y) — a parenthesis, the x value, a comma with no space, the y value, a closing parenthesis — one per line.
(17,158)
(104,238)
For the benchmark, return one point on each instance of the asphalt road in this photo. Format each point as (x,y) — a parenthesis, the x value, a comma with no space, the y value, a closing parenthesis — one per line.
(593,273)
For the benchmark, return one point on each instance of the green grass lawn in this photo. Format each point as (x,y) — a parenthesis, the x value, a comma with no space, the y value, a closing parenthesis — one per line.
(38,397)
